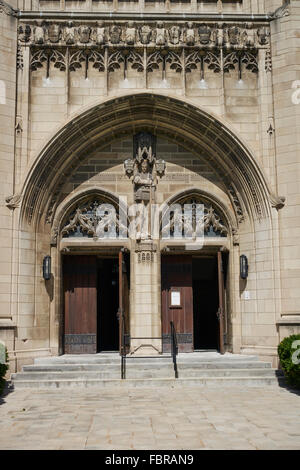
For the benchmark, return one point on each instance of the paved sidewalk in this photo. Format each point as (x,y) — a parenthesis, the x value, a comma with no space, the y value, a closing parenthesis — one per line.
(192,418)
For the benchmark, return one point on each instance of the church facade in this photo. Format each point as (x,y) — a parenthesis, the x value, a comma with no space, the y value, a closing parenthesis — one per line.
(150,155)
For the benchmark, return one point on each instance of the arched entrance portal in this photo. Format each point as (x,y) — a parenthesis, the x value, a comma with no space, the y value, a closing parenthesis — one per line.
(201,154)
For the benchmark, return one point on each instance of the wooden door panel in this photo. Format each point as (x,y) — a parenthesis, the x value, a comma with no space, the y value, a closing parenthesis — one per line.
(124,321)
(177,276)
(221,311)
(80,297)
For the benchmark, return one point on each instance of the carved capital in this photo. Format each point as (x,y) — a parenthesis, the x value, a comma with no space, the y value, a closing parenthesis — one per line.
(278,202)
(12,202)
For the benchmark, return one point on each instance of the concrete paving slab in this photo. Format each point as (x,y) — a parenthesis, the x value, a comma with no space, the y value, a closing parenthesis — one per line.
(150,419)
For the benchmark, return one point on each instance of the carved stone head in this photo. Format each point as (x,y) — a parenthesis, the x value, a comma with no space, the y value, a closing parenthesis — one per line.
(204,34)
(115,34)
(145,166)
(234,35)
(54,32)
(24,32)
(145,34)
(263,35)
(84,34)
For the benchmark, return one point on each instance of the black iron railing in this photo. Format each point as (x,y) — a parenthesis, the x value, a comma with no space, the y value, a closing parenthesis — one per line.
(123,347)
(174,348)
(124,344)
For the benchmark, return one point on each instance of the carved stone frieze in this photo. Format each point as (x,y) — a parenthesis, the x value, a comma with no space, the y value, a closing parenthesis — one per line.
(133,34)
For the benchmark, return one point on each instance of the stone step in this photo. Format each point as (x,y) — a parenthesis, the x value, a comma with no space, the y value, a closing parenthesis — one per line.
(104,369)
(215,382)
(132,364)
(141,373)
(114,358)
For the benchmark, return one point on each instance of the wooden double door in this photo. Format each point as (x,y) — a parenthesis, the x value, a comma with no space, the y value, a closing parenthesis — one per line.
(94,288)
(193,297)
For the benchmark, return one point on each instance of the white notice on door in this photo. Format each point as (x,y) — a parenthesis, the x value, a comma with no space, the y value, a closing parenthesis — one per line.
(175,298)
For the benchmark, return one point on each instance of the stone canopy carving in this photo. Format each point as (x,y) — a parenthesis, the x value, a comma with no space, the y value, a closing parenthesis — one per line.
(143,169)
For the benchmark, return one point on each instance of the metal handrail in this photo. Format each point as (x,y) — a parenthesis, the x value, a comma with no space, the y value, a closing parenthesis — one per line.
(174,348)
(123,348)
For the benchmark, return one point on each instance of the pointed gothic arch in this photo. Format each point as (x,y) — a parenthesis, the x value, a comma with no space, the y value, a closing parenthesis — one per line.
(176,119)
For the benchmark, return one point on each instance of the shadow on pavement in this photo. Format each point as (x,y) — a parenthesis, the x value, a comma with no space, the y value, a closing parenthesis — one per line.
(8,388)
(283,384)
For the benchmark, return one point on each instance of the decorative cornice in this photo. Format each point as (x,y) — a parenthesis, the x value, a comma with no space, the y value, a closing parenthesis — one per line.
(135,16)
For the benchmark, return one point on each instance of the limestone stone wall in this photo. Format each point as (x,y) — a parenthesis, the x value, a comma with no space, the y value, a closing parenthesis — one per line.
(258,103)
(8,48)
(286,76)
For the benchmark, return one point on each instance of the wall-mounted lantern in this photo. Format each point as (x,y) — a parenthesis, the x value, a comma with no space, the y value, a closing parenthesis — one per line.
(47,268)
(243,266)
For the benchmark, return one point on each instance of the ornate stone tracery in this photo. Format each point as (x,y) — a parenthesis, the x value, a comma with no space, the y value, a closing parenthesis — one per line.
(185,217)
(95,217)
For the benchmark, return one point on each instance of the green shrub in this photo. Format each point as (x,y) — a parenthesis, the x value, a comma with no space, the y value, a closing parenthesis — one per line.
(3,370)
(288,359)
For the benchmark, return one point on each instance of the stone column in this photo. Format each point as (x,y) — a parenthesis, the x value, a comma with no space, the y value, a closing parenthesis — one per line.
(145,319)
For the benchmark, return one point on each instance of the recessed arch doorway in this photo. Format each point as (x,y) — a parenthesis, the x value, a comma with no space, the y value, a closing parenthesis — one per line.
(194,280)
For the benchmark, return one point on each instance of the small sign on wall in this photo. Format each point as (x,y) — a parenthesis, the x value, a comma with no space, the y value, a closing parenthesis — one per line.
(175,298)
(246,295)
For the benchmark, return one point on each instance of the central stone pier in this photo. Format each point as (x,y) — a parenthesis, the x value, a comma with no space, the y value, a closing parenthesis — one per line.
(145,325)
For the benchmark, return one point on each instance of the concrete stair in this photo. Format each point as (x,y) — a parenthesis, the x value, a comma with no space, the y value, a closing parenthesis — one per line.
(103,370)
